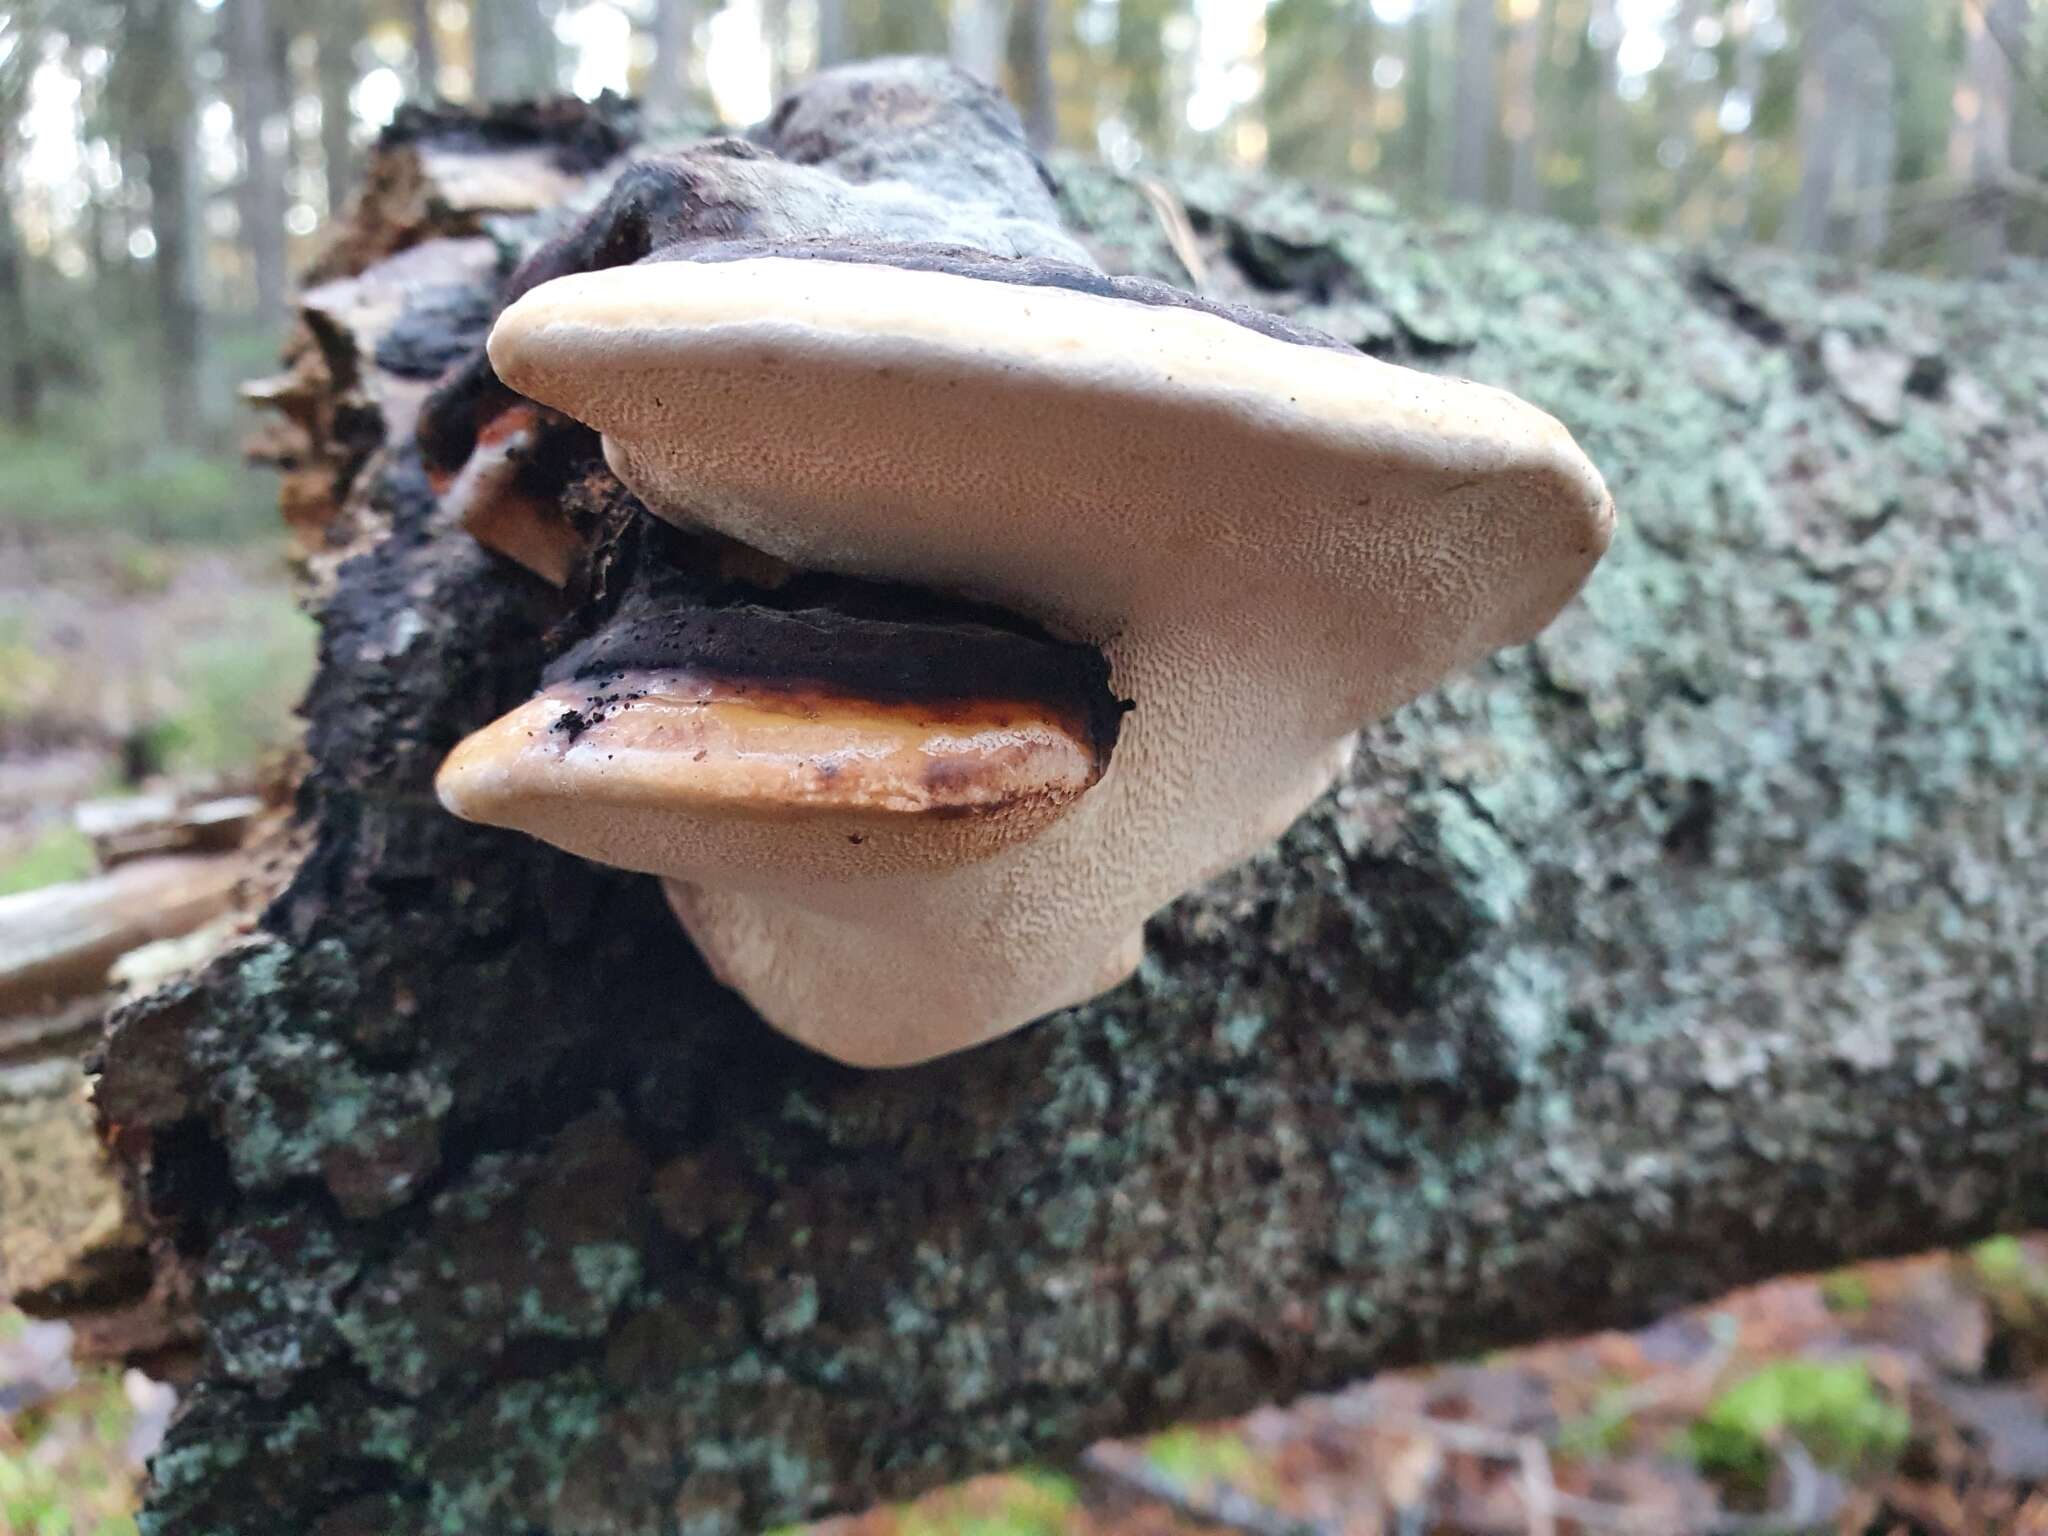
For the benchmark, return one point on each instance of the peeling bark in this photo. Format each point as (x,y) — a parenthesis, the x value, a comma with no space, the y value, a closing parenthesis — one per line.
(1697,941)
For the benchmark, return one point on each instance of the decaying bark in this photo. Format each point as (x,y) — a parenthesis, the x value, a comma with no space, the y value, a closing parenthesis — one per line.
(1699,940)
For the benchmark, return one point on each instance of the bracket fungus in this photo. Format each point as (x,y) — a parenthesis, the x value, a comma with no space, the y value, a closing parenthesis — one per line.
(900,839)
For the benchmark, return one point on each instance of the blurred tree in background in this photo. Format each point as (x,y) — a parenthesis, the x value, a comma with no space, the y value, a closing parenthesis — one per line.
(164,163)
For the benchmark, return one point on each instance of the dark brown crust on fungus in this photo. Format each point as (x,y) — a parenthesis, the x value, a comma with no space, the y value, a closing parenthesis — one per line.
(936,661)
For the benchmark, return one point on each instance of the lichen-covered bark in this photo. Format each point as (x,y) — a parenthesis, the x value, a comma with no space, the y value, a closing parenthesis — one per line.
(1699,940)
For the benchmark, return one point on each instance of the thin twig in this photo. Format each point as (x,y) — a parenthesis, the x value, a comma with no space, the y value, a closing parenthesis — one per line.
(1213,1503)
(1806,1503)
(1701,1375)
(1172,215)
(1539,1487)
(1943,190)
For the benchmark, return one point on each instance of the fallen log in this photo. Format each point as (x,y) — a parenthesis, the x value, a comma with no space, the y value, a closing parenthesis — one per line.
(58,942)
(183,866)
(134,826)
(1698,940)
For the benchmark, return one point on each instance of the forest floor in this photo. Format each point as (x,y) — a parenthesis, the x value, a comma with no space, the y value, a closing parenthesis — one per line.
(123,661)
(1902,1399)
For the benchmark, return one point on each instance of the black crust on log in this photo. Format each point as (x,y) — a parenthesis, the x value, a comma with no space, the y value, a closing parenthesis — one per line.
(1032,271)
(579,136)
(651,201)
(441,327)
(827,164)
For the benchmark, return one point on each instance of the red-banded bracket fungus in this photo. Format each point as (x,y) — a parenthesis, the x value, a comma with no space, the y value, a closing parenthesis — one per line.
(1270,538)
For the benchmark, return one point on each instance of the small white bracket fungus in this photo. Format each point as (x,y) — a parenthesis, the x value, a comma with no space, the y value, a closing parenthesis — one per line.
(1273,542)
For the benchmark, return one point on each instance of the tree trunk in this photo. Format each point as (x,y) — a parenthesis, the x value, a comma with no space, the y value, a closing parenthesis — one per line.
(21,374)
(1031,53)
(1847,132)
(514,49)
(1694,942)
(1820,130)
(161,32)
(775,42)
(668,86)
(1305,88)
(1749,84)
(1555,52)
(1422,98)
(1149,99)
(1980,128)
(1613,192)
(173,213)
(1519,113)
(340,27)
(1475,117)
(1682,99)
(426,49)
(1362,148)
(977,32)
(24,370)
(1874,150)
(1835,57)
(259,121)
(835,36)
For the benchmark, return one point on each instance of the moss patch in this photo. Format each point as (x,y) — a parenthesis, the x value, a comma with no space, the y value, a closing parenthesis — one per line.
(1835,1409)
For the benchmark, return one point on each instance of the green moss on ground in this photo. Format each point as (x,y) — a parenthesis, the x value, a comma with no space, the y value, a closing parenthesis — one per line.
(1834,1409)
(66,1468)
